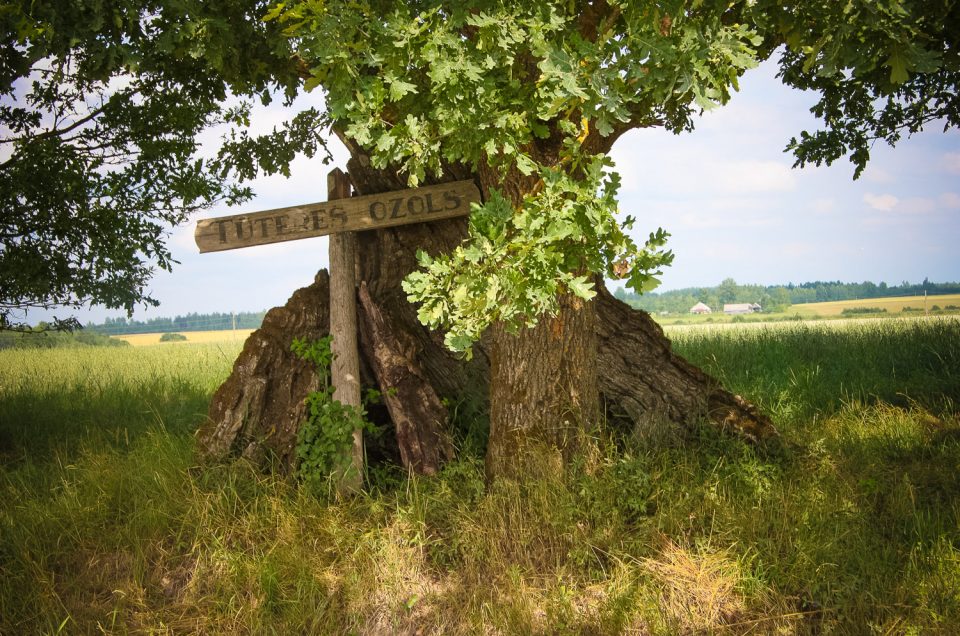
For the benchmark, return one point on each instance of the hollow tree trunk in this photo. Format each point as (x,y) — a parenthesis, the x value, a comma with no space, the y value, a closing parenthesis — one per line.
(547,375)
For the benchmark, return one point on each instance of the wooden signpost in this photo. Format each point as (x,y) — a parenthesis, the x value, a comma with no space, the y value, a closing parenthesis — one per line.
(345,368)
(352,214)
(340,216)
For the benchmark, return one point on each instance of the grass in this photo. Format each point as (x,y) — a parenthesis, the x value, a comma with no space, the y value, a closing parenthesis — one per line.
(109,524)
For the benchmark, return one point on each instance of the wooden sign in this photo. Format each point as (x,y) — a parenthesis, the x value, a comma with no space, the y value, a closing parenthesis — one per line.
(371,212)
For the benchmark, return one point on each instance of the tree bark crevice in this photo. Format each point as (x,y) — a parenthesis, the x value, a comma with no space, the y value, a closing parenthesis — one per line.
(656,391)
(257,411)
(418,413)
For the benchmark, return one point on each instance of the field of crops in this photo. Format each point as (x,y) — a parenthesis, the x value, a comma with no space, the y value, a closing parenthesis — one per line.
(110,523)
(146,339)
(891,305)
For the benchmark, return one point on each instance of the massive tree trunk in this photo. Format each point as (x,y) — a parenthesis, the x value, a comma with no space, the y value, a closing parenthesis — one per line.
(544,383)
(543,389)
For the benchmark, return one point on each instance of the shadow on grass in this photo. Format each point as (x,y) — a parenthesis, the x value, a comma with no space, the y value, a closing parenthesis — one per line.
(44,424)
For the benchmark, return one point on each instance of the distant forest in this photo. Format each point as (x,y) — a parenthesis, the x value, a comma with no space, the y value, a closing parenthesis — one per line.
(190,322)
(771,298)
(776,298)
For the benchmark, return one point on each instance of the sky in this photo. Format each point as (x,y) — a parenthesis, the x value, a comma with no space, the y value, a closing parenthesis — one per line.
(726,193)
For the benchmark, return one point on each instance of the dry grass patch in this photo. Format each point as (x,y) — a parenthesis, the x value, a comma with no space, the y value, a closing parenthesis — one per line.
(698,588)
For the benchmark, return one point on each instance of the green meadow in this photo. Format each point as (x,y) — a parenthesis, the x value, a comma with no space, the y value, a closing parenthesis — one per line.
(850,525)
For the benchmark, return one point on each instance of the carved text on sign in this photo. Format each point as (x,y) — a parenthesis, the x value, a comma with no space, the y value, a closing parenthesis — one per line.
(342,215)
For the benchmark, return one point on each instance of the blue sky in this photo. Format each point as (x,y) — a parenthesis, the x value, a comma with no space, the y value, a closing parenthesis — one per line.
(726,192)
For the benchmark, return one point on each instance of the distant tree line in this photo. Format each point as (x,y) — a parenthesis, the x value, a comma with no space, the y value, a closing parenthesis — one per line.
(43,338)
(777,298)
(770,297)
(190,322)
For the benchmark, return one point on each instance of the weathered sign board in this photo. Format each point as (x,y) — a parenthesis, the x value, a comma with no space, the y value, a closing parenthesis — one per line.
(352,214)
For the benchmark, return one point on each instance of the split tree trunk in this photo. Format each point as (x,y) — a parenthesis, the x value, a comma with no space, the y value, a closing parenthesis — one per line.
(418,413)
(553,373)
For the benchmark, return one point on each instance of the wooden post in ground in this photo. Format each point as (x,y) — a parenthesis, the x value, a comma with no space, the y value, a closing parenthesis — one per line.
(345,371)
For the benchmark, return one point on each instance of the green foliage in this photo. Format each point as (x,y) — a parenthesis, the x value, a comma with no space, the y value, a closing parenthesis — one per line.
(173,337)
(530,95)
(396,74)
(515,262)
(882,69)
(103,105)
(535,91)
(325,440)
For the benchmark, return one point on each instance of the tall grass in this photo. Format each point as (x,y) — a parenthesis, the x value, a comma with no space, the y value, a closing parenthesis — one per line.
(854,527)
(59,398)
(798,371)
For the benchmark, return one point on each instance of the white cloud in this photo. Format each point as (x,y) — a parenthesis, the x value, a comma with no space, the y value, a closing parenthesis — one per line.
(718,220)
(917,205)
(877,175)
(752,177)
(950,200)
(824,206)
(796,249)
(951,162)
(882,202)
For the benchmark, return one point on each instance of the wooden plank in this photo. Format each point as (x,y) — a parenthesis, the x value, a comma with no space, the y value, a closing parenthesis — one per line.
(345,369)
(376,211)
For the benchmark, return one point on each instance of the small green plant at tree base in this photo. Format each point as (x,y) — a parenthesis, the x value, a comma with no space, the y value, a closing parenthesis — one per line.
(325,440)
(173,337)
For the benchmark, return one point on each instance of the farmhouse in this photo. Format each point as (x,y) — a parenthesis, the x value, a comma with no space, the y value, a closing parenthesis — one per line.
(741,308)
(700,308)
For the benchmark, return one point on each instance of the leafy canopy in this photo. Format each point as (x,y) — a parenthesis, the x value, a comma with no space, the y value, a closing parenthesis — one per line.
(101,106)
(882,68)
(531,95)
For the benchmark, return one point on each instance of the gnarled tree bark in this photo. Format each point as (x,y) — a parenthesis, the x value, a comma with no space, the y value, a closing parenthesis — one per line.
(418,413)
(640,381)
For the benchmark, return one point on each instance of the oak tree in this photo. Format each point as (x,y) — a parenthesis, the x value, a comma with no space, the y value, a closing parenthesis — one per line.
(103,102)
(531,96)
